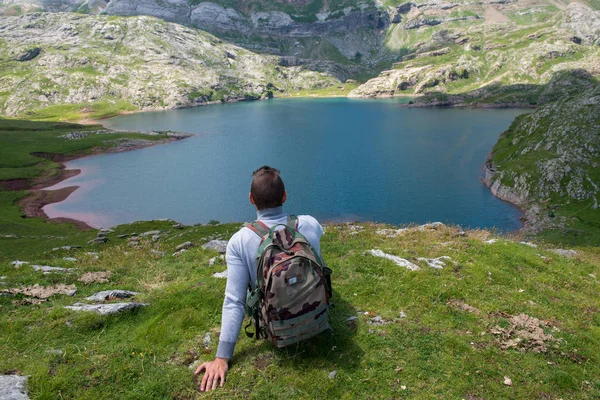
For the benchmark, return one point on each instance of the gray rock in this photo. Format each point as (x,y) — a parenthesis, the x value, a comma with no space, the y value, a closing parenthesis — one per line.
(333,374)
(18,263)
(98,240)
(108,295)
(178,225)
(583,22)
(216,245)
(157,252)
(13,387)
(46,269)
(206,341)
(149,233)
(220,275)
(70,259)
(28,54)
(405,7)
(565,253)
(106,309)
(155,238)
(184,246)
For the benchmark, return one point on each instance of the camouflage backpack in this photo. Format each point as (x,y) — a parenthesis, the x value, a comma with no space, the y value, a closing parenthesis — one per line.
(290,301)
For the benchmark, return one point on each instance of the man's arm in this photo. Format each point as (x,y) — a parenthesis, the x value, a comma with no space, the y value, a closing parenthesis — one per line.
(233,314)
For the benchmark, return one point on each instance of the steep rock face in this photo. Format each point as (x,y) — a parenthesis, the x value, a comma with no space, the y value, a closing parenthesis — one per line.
(551,155)
(139,63)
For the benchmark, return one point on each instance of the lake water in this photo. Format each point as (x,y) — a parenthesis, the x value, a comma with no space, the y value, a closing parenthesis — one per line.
(340,159)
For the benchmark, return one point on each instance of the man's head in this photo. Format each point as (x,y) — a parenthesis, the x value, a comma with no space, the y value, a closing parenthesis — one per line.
(267,189)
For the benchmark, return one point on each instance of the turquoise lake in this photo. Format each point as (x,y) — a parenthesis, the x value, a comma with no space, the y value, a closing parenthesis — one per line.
(341,160)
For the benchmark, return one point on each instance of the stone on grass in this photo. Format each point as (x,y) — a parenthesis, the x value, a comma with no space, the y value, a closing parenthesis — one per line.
(13,387)
(70,259)
(98,240)
(532,245)
(565,253)
(184,246)
(220,275)
(397,260)
(437,263)
(149,233)
(18,263)
(178,225)
(44,292)
(507,381)
(107,295)
(216,245)
(332,374)
(157,252)
(206,340)
(213,260)
(95,277)
(106,309)
(46,269)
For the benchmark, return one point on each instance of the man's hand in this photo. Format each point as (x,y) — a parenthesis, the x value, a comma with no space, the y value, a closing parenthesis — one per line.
(214,371)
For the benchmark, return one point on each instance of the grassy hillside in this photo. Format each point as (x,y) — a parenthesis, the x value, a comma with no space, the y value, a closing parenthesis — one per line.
(547,162)
(443,333)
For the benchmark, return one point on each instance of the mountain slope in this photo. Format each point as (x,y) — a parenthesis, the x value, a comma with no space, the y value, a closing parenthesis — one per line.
(494,62)
(74,62)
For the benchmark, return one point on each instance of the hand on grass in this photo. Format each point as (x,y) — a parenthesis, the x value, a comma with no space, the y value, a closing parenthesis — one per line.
(214,371)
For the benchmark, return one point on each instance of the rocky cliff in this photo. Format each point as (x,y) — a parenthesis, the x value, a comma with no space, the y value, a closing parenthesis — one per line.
(548,162)
(138,63)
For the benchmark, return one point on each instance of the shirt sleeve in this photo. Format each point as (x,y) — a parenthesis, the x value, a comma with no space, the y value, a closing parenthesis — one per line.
(235,299)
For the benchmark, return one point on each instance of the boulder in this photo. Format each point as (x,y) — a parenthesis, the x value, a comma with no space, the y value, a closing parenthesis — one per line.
(13,387)
(28,54)
(149,233)
(216,245)
(404,8)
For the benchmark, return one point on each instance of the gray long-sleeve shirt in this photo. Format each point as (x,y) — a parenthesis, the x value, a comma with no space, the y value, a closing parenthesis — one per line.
(241,270)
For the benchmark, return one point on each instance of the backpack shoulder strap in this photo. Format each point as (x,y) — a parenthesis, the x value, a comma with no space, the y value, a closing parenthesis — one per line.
(292,222)
(258,227)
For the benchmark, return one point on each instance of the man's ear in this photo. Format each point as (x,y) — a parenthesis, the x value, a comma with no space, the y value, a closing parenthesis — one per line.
(284,198)
(251,198)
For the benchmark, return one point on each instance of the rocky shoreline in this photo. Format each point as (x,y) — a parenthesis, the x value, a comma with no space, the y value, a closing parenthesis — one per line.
(33,204)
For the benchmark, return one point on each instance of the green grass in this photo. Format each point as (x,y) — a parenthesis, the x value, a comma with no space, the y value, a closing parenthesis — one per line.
(437,351)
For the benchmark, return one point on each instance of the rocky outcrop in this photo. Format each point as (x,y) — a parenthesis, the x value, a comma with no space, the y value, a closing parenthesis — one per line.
(551,155)
(138,63)
(583,22)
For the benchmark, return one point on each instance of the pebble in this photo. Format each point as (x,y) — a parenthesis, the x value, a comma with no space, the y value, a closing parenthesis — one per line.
(507,381)
(333,374)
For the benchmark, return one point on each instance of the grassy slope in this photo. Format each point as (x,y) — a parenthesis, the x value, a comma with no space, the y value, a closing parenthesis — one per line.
(437,351)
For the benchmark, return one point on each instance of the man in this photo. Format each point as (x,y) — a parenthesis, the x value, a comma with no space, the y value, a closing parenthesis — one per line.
(267,194)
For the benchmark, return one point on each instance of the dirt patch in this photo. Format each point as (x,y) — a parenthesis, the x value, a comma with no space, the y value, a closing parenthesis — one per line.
(525,333)
(494,16)
(43,292)
(33,204)
(262,362)
(95,277)
(461,305)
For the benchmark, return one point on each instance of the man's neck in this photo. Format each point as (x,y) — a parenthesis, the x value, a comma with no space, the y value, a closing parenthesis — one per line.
(269,213)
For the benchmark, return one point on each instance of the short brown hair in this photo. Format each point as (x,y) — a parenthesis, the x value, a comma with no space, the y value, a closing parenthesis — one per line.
(267,188)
